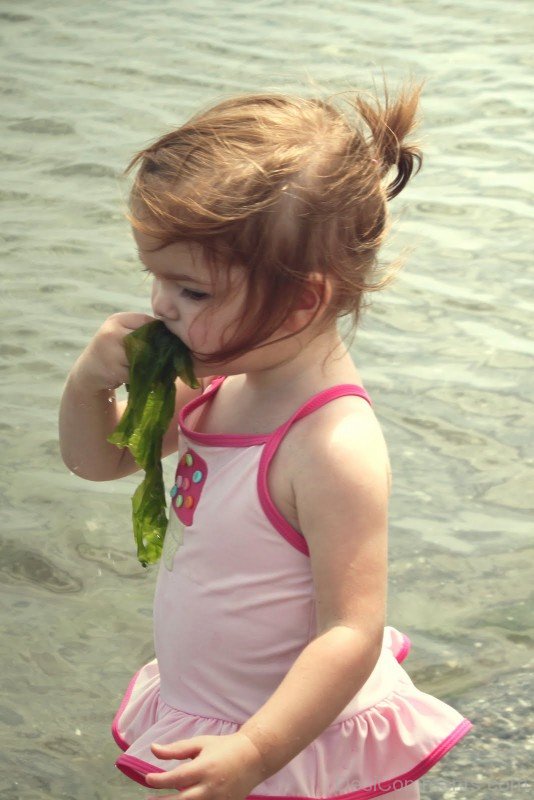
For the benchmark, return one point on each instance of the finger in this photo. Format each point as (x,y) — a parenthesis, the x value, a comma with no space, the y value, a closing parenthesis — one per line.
(197,793)
(164,796)
(166,780)
(183,776)
(135,320)
(173,796)
(187,748)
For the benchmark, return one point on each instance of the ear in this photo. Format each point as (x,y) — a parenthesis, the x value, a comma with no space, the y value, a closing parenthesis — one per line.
(314,298)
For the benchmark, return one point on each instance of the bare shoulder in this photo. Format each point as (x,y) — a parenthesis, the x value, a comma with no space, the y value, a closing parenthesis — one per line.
(343,434)
(344,428)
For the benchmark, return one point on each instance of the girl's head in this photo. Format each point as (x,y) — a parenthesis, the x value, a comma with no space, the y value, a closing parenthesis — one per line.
(288,192)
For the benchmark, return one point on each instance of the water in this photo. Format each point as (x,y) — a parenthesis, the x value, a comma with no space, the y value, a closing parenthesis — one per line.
(445,351)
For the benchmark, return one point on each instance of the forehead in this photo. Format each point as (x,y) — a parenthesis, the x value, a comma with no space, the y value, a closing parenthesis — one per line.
(179,252)
(188,258)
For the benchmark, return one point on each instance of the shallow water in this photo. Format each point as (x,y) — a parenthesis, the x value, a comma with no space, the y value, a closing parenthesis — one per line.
(445,351)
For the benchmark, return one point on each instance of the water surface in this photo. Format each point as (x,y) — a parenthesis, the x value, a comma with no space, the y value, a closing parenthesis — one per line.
(445,352)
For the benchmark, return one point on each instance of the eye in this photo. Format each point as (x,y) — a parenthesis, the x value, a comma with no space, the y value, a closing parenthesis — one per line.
(194,295)
(189,293)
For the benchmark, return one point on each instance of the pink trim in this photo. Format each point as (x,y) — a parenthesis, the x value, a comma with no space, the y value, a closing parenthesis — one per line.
(405,649)
(115,724)
(384,787)
(246,440)
(136,769)
(221,439)
(441,749)
(293,536)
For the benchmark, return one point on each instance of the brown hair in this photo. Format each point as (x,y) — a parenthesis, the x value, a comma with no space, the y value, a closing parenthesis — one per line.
(283,186)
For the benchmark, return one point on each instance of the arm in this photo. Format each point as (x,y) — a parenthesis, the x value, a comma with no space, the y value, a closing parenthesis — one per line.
(89,409)
(347,539)
(87,417)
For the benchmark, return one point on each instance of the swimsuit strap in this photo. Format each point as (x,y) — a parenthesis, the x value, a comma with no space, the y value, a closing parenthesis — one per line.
(314,403)
(290,533)
(324,397)
(273,438)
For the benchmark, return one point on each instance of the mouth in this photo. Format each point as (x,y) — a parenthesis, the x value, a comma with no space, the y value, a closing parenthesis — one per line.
(168,325)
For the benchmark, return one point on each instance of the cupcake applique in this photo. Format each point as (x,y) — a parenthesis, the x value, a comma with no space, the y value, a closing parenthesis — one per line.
(185,494)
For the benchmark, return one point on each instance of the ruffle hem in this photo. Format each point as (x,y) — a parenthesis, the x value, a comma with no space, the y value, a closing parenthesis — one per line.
(381,748)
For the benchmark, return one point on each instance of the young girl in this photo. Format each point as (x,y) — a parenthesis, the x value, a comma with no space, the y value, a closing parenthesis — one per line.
(260,221)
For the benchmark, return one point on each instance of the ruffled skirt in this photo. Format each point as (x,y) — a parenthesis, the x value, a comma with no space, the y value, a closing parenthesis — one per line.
(381,748)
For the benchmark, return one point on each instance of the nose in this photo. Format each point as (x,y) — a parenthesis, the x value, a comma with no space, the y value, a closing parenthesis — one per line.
(163,304)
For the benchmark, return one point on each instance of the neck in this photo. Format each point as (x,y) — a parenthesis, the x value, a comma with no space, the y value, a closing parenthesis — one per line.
(309,367)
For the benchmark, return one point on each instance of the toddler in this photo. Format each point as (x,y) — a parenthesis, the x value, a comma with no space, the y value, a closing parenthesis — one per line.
(259,221)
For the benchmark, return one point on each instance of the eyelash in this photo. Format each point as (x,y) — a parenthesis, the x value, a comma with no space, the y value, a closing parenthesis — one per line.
(189,293)
(198,296)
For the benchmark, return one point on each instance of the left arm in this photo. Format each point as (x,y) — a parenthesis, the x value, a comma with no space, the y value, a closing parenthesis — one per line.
(324,678)
(347,539)
(345,462)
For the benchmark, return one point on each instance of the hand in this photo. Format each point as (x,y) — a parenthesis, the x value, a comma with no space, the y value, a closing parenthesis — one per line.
(104,364)
(224,767)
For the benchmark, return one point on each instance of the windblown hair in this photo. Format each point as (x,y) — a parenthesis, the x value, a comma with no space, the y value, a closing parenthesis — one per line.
(282,186)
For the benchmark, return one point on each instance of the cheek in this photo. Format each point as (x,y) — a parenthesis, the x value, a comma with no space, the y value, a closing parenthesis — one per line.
(209,332)
(200,332)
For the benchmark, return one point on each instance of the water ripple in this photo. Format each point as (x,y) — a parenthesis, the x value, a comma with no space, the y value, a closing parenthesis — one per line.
(29,566)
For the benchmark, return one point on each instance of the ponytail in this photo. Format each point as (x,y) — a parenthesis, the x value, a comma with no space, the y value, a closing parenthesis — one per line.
(389,125)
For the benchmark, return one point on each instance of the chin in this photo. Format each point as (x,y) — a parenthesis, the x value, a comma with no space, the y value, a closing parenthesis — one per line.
(200,366)
(203,370)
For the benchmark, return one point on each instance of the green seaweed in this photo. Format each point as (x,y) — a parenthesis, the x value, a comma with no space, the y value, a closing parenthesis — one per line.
(156,358)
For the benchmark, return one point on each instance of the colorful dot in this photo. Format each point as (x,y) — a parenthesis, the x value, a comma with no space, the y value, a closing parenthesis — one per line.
(179,500)
(179,480)
(188,501)
(197,476)
(174,491)
(188,459)
(186,484)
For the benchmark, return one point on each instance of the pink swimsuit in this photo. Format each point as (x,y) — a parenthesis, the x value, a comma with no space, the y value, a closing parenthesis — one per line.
(234,607)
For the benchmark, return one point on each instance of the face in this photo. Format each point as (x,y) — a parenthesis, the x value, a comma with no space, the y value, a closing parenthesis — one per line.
(187,300)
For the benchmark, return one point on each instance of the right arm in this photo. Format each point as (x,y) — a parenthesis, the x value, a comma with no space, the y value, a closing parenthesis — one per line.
(90,411)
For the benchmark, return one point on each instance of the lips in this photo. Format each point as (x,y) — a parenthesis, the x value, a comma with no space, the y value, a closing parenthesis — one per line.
(169,327)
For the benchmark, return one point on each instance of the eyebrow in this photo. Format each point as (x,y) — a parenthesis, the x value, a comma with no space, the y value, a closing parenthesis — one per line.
(181,276)
(174,276)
